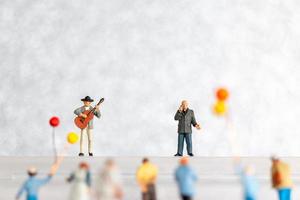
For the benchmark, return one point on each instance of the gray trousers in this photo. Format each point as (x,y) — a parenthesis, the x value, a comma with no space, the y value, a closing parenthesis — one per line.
(188,139)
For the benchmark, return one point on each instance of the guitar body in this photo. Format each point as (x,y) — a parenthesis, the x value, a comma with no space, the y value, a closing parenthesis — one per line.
(81,122)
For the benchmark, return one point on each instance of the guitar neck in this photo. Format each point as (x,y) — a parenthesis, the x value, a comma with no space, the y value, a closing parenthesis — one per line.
(94,108)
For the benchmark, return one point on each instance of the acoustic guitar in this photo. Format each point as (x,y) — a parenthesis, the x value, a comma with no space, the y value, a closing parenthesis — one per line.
(82,122)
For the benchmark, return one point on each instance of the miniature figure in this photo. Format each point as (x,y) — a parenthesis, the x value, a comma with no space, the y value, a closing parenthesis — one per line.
(81,183)
(33,184)
(186,118)
(108,184)
(84,121)
(281,178)
(248,179)
(146,177)
(186,178)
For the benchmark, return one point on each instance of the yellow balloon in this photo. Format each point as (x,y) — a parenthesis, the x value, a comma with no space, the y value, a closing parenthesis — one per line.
(72,138)
(220,108)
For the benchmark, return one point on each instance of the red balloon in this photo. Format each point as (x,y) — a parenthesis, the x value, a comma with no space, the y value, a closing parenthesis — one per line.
(54,121)
(222,94)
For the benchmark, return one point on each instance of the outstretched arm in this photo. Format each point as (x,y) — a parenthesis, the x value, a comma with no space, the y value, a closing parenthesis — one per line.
(45,180)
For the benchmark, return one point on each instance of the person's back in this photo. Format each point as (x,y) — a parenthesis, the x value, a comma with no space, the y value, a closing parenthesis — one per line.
(32,185)
(186,178)
(250,185)
(147,173)
(146,176)
(282,170)
(281,178)
(108,185)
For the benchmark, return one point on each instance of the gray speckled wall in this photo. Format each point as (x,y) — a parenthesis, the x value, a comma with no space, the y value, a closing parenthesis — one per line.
(144,57)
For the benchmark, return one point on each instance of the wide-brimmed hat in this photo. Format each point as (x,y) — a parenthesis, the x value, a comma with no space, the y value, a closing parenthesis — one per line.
(87,98)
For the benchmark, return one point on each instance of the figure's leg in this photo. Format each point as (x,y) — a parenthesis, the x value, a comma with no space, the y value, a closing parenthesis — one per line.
(287,194)
(189,145)
(180,143)
(81,140)
(282,194)
(90,140)
(152,192)
(145,195)
(183,197)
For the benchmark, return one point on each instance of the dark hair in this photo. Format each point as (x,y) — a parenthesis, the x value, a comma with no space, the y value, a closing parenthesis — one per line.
(31,174)
(145,160)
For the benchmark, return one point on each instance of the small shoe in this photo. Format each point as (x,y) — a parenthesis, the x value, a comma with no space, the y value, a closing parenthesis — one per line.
(80,154)
(177,154)
(90,154)
(191,154)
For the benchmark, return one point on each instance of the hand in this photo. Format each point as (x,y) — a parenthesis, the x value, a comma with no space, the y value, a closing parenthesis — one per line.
(83,115)
(144,188)
(97,107)
(180,108)
(53,169)
(198,126)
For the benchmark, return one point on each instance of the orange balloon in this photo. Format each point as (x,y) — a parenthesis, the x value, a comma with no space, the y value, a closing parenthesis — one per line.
(222,94)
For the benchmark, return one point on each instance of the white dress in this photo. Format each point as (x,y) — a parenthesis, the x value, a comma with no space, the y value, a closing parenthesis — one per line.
(79,188)
(106,184)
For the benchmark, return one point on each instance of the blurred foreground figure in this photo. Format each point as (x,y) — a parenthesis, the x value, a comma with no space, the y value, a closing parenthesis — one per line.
(146,177)
(81,183)
(108,185)
(248,180)
(186,179)
(281,178)
(33,184)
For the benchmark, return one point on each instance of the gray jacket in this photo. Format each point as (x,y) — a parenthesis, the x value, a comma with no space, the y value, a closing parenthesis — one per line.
(186,120)
(80,110)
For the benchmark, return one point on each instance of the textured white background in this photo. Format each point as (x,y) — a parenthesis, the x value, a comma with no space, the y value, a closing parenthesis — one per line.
(144,57)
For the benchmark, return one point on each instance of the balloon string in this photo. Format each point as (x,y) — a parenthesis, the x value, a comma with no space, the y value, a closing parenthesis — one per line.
(61,156)
(54,145)
(232,136)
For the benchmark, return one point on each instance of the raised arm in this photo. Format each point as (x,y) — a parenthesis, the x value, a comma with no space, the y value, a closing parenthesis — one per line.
(97,113)
(44,180)
(178,115)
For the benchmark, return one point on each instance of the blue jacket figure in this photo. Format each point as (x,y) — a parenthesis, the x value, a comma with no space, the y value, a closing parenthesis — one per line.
(248,180)
(186,179)
(32,185)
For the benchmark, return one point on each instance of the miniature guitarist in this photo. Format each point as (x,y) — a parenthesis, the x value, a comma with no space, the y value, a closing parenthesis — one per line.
(80,112)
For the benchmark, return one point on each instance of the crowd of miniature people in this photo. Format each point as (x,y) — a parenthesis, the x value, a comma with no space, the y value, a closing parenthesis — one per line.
(108,182)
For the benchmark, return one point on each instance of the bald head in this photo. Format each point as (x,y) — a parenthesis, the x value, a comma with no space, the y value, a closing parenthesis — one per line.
(185,105)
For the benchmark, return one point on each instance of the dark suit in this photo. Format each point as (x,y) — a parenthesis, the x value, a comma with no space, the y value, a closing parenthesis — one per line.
(185,121)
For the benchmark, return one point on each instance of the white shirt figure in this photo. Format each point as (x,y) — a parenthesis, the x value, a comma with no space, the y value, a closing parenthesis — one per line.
(108,183)
(81,181)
